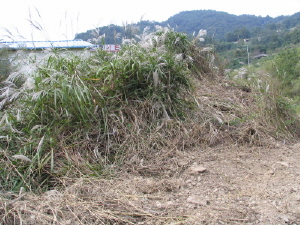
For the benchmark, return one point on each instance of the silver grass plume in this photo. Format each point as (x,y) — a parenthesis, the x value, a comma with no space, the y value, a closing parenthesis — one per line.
(22,157)
(155,79)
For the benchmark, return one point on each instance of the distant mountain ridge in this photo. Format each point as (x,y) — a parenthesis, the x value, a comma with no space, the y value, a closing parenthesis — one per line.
(217,23)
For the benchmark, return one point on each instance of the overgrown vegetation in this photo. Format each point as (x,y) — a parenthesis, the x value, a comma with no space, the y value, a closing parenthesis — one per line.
(90,108)
(276,81)
(286,68)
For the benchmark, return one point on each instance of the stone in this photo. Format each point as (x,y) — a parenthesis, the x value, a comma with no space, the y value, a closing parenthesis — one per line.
(284,164)
(197,200)
(197,169)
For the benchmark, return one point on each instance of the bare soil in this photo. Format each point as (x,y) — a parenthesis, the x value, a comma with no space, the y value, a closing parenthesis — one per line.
(255,185)
(220,185)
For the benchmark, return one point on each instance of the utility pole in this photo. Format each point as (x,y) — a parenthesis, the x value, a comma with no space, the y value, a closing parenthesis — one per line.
(248,54)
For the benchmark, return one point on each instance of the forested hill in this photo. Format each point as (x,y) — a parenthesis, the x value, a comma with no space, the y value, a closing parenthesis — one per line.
(218,24)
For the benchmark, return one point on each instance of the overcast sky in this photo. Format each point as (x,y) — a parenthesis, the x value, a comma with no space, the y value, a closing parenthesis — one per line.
(62,19)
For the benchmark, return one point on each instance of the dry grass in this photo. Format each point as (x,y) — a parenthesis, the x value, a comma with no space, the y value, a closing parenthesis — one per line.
(229,192)
(91,201)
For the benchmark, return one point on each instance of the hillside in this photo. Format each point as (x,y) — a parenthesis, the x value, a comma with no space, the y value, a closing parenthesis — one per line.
(217,23)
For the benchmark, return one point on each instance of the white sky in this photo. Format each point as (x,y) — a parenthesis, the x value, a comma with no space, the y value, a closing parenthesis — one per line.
(62,19)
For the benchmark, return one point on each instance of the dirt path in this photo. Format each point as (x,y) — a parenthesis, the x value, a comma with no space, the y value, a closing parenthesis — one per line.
(231,186)
(256,186)
(223,185)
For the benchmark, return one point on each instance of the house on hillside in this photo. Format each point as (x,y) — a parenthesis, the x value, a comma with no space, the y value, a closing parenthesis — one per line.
(260,56)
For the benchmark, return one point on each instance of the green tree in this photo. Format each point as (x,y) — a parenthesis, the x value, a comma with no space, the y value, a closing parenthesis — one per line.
(271,26)
(243,32)
(231,37)
(292,37)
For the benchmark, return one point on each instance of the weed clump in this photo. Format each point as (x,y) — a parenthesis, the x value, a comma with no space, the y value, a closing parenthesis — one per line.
(94,108)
